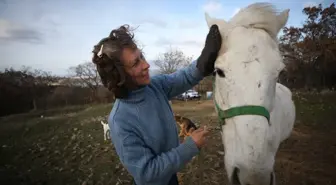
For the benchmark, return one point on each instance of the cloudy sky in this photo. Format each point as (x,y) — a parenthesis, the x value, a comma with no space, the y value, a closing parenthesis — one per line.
(55,34)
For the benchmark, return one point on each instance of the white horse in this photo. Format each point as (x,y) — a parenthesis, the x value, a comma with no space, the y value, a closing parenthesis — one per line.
(256,113)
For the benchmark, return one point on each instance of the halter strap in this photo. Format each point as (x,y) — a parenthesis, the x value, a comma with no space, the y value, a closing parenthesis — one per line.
(240,110)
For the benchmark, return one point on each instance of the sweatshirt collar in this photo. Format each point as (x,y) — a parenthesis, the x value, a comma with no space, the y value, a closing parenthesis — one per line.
(136,96)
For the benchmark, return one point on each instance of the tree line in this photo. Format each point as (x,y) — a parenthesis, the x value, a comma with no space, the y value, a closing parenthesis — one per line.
(310,50)
(26,89)
(309,53)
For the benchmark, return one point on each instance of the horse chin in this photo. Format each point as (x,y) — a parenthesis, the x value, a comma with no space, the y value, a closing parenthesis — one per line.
(237,178)
(272,182)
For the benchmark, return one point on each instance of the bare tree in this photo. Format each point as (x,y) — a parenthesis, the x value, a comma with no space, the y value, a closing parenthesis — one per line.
(40,83)
(171,61)
(86,74)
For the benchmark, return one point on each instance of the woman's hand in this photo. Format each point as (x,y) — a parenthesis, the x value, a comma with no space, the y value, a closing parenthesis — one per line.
(199,136)
(213,43)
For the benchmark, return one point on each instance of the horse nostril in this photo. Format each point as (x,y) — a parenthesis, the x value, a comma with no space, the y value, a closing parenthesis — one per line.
(235,177)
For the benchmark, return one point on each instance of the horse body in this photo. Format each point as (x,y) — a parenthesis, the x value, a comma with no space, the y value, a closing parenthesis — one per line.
(247,69)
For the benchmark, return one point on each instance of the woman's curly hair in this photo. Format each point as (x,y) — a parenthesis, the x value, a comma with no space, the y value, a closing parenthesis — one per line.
(107,57)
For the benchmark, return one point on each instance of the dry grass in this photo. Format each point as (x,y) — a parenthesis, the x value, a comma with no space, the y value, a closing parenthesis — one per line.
(67,147)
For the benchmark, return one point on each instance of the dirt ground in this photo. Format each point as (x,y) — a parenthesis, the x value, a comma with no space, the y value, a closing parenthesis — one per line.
(66,146)
(307,157)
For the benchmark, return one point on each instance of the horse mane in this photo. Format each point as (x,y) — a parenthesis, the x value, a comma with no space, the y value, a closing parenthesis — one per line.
(258,15)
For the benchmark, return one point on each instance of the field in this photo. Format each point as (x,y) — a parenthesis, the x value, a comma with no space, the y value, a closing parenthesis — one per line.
(66,146)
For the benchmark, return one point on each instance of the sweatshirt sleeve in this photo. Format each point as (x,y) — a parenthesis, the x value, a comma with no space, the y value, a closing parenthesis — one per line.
(180,81)
(144,165)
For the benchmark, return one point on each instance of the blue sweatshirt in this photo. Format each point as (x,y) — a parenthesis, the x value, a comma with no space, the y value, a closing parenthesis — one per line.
(144,132)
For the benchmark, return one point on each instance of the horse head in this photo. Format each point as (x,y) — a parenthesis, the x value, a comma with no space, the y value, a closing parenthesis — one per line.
(246,72)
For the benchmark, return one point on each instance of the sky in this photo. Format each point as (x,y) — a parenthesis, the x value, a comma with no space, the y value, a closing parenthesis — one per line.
(54,35)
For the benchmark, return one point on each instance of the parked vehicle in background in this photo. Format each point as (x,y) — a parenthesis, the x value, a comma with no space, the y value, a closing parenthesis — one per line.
(189,95)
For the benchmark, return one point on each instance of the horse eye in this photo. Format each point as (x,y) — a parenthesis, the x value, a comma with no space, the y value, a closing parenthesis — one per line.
(214,73)
(220,72)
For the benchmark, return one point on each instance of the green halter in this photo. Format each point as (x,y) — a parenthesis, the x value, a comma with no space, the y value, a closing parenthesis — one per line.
(239,110)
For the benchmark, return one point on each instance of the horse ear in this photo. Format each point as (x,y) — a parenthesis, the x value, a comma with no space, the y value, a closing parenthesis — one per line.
(208,19)
(282,19)
(211,21)
(222,25)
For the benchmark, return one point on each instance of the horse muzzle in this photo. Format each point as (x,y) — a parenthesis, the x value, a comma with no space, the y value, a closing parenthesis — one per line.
(239,177)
